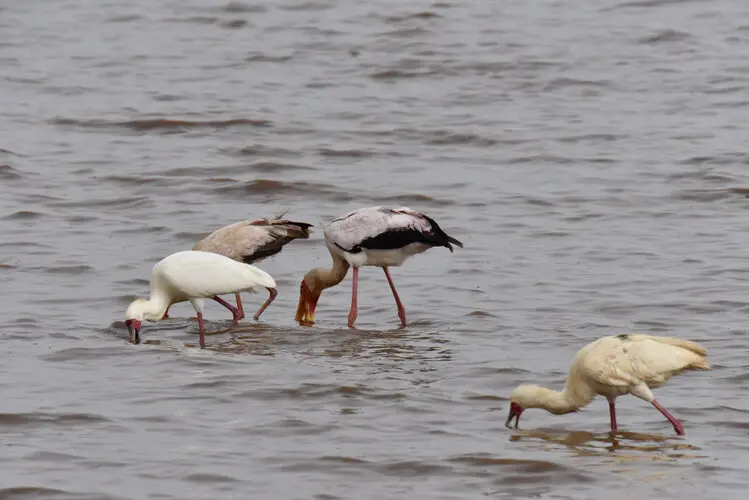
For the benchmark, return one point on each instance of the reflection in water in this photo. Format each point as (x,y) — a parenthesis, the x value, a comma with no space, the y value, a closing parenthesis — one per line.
(614,445)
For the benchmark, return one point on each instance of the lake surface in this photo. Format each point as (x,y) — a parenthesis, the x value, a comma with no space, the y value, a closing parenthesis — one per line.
(591,156)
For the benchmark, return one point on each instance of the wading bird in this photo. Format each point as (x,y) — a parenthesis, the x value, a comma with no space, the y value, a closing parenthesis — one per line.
(194,276)
(612,367)
(375,236)
(250,242)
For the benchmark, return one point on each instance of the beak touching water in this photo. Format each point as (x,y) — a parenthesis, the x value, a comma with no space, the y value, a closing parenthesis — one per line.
(515,411)
(133,328)
(305,311)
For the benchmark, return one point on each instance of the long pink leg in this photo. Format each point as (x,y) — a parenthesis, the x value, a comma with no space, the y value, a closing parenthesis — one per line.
(612,414)
(401,309)
(239,305)
(201,330)
(230,307)
(166,313)
(273,294)
(677,425)
(354,312)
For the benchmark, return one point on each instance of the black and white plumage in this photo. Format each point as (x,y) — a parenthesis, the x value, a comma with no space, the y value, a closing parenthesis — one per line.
(381,236)
(373,236)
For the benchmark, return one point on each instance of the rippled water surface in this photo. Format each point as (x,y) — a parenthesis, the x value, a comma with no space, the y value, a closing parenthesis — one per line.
(590,155)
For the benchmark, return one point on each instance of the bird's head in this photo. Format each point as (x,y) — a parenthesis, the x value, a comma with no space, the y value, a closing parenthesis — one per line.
(309,292)
(133,319)
(522,398)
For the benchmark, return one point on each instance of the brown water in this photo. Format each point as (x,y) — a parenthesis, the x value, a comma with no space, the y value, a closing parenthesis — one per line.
(590,155)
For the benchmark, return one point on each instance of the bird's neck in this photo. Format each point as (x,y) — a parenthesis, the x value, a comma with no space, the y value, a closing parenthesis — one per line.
(568,400)
(334,275)
(156,305)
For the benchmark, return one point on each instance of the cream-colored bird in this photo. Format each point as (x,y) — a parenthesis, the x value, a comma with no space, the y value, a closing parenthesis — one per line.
(611,367)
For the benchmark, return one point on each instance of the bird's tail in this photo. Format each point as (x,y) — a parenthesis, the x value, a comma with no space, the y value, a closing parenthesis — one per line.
(296,229)
(700,361)
(293,229)
(259,278)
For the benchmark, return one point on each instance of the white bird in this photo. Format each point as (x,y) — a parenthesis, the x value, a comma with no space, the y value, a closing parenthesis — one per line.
(250,242)
(611,367)
(375,236)
(194,276)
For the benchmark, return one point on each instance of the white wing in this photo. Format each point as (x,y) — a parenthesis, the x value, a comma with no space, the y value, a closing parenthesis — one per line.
(632,359)
(203,274)
(350,230)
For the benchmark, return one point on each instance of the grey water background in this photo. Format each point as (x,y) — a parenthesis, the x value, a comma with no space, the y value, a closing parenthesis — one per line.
(590,155)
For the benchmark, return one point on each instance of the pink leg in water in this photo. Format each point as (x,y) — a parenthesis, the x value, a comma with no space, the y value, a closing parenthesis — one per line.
(166,313)
(677,425)
(401,309)
(354,312)
(201,330)
(239,305)
(230,307)
(273,293)
(612,414)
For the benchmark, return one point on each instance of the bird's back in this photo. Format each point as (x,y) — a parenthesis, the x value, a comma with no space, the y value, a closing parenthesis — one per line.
(251,241)
(195,274)
(382,228)
(627,360)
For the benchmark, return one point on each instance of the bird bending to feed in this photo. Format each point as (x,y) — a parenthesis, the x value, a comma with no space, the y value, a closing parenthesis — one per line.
(375,236)
(611,367)
(250,242)
(194,276)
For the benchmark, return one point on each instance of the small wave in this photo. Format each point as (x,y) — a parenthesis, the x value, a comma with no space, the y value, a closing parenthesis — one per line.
(723,159)
(405,199)
(271,187)
(648,4)
(23,215)
(666,36)
(344,153)
(260,150)
(337,464)
(64,269)
(272,167)
(39,492)
(46,419)
(426,14)
(442,137)
(481,314)
(589,137)
(127,18)
(293,6)
(260,57)
(234,24)
(564,82)
(204,477)
(119,203)
(234,7)
(8,173)
(125,180)
(709,195)
(395,74)
(308,391)
(164,125)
